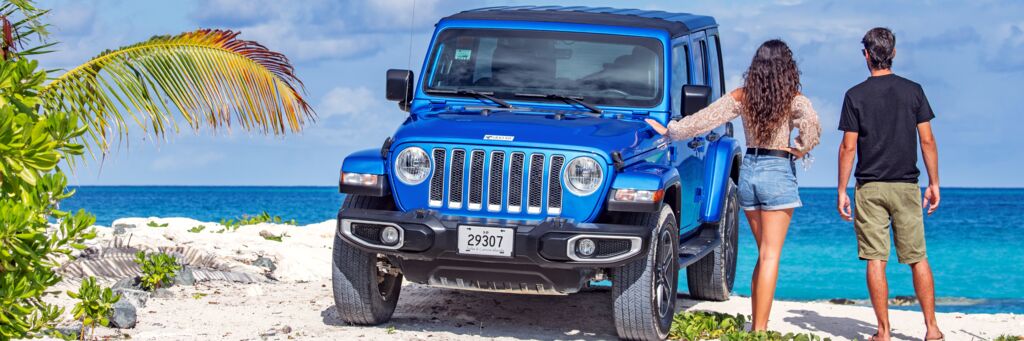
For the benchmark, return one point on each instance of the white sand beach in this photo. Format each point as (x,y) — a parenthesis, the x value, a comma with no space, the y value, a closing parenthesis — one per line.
(233,299)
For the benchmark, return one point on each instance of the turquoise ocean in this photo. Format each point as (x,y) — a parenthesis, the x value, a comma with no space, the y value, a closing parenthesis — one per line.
(975,243)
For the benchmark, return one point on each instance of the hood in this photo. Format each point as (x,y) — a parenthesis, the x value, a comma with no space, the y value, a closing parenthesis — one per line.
(536,129)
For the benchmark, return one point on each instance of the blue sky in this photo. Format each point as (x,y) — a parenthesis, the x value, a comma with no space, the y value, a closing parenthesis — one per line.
(968,55)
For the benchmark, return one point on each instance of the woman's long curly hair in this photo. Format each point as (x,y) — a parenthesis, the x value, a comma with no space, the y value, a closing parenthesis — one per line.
(769,86)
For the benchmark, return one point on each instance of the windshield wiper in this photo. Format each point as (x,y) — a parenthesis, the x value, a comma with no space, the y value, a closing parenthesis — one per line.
(570,99)
(478,94)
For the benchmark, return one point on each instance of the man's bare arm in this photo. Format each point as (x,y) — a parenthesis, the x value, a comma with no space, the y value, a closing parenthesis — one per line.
(847,152)
(930,151)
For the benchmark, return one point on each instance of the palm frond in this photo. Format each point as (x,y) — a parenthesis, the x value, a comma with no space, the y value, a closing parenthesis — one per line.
(205,76)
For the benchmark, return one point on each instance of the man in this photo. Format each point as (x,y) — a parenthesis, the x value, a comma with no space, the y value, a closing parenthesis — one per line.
(881,118)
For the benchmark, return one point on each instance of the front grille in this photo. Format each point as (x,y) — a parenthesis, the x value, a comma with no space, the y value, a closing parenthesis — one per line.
(437,178)
(515,184)
(496,181)
(456,180)
(555,185)
(503,184)
(536,181)
(476,180)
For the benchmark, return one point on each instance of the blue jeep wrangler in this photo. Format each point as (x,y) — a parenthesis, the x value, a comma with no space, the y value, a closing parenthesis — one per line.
(525,166)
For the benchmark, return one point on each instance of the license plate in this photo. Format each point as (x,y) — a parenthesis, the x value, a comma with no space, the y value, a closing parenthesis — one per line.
(486,241)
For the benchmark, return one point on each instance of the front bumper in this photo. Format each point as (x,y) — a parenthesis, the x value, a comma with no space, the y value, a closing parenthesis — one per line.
(541,262)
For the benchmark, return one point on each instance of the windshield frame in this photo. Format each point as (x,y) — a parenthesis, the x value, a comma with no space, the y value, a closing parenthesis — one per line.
(649,38)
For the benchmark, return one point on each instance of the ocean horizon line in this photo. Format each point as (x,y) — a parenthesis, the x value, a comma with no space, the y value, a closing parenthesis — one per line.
(323,186)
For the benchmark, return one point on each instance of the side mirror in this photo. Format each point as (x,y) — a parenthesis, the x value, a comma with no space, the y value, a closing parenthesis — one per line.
(695,97)
(399,87)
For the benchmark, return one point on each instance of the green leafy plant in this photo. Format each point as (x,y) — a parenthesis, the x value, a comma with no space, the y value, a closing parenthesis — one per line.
(1008,338)
(276,238)
(197,229)
(93,306)
(154,224)
(158,269)
(693,326)
(198,295)
(245,219)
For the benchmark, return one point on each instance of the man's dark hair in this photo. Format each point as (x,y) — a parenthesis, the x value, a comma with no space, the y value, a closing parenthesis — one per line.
(880,43)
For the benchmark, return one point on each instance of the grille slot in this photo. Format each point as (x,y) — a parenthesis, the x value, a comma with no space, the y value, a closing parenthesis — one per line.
(555,185)
(476,180)
(497,179)
(515,183)
(455,181)
(437,178)
(611,247)
(536,184)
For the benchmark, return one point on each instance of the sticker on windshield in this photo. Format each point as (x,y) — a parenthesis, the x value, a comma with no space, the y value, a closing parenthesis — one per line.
(461,54)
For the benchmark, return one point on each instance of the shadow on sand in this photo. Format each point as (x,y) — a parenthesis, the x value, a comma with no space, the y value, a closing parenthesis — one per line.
(584,315)
(844,327)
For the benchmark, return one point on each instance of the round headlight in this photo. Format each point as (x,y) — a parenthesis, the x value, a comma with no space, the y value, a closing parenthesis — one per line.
(583,176)
(412,166)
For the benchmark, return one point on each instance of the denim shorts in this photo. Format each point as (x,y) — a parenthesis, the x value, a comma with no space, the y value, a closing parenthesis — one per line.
(768,183)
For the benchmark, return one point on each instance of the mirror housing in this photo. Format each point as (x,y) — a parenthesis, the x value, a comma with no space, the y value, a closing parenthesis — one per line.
(399,87)
(694,98)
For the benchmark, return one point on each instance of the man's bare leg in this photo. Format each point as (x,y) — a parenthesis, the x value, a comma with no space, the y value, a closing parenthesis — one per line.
(878,288)
(924,287)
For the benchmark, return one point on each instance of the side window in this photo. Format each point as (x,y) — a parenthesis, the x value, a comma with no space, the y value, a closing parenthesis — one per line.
(680,74)
(699,64)
(717,69)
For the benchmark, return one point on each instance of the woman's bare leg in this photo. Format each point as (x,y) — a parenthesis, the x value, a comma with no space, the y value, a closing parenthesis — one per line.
(774,225)
(754,218)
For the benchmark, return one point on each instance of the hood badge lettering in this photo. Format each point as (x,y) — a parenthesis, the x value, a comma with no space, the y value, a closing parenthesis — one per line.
(499,138)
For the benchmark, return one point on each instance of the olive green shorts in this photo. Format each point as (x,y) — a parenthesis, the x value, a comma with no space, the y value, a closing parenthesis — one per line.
(879,205)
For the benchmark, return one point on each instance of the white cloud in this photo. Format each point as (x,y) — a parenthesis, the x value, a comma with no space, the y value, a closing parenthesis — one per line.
(347,102)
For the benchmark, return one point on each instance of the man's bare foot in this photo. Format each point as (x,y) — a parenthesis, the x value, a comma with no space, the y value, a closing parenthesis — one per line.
(934,335)
(879,336)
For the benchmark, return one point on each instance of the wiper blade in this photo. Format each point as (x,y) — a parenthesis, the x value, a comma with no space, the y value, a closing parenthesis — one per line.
(478,94)
(571,99)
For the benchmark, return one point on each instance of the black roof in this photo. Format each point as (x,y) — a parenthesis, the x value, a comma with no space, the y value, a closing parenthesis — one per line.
(675,24)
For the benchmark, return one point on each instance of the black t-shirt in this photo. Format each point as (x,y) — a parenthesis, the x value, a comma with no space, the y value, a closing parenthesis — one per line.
(885,111)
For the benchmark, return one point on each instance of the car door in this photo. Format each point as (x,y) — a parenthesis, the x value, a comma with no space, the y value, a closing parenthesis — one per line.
(688,154)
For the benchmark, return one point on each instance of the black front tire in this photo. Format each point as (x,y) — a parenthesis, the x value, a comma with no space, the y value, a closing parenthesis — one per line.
(363,294)
(711,278)
(644,291)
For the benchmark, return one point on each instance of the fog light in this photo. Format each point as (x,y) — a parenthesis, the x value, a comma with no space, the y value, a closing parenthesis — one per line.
(586,247)
(389,235)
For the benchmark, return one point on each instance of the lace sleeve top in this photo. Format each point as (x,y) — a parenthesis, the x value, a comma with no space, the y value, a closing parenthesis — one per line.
(725,109)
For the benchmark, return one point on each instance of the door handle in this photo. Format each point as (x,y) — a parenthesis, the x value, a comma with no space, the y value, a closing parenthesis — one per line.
(695,143)
(712,137)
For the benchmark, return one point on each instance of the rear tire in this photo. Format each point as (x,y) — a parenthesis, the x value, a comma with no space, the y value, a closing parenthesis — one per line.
(711,278)
(363,294)
(644,291)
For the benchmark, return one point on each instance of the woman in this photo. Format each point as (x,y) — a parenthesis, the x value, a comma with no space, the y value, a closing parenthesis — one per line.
(771,106)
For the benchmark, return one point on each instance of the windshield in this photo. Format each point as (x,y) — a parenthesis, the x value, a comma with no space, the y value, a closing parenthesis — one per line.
(600,69)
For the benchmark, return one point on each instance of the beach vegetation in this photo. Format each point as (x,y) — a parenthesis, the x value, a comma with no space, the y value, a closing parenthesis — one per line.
(264,217)
(274,237)
(47,124)
(197,229)
(158,269)
(154,224)
(1009,338)
(94,305)
(700,325)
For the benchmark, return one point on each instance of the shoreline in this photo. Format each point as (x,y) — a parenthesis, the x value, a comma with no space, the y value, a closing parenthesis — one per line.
(295,292)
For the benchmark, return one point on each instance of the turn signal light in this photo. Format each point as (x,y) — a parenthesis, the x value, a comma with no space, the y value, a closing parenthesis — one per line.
(636,195)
